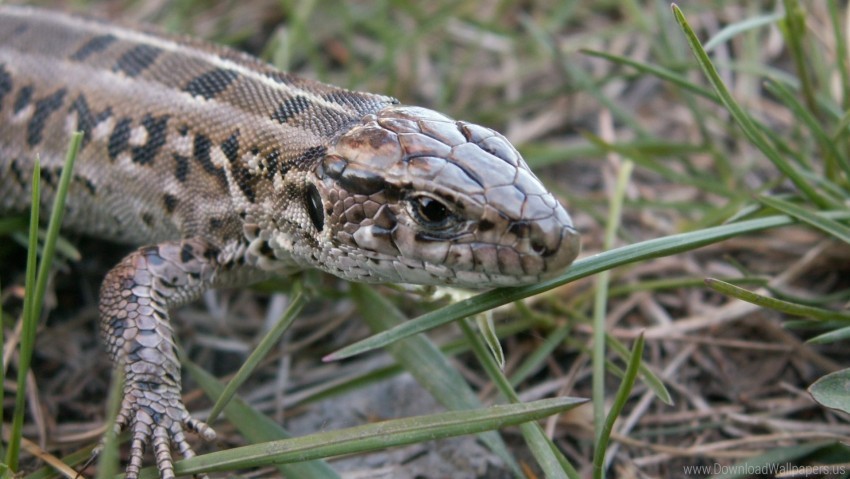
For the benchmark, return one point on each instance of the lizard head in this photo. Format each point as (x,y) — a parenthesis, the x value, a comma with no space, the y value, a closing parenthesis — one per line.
(409,195)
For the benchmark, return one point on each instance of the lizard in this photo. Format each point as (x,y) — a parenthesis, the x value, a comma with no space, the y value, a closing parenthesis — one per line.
(223,171)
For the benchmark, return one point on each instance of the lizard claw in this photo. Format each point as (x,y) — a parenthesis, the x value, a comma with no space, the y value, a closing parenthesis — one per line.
(154,414)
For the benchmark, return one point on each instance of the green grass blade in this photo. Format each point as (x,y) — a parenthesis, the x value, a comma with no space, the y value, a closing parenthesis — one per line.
(620,400)
(742,118)
(833,228)
(258,428)
(28,330)
(843,66)
(534,360)
(36,284)
(658,72)
(55,222)
(108,459)
(268,342)
(734,29)
(647,375)
(600,297)
(373,436)
(794,28)
(553,463)
(780,305)
(426,363)
(584,267)
(840,334)
(825,142)
(487,329)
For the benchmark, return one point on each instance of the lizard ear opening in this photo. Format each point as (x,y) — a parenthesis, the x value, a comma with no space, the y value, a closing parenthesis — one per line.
(314,207)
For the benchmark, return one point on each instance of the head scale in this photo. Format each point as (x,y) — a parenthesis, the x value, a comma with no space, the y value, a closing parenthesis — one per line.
(409,195)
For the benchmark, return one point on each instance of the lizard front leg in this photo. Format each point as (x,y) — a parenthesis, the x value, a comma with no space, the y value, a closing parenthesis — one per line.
(134,302)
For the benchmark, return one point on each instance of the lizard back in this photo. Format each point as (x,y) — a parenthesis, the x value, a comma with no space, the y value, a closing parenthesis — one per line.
(176,132)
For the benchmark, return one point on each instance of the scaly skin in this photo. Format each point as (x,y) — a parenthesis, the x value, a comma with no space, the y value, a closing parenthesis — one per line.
(229,171)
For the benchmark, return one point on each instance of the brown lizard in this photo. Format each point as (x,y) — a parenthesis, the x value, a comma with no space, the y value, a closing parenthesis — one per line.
(227,171)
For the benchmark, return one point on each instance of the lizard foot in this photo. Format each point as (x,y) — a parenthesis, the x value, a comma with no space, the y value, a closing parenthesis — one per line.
(155,414)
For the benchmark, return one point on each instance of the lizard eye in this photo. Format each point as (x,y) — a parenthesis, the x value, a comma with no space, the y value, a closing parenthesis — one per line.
(431,213)
(314,207)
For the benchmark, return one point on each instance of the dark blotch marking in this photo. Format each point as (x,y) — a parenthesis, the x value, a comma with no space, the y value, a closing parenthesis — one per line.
(94,45)
(183,130)
(186,253)
(211,254)
(5,83)
(19,175)
(87,183)
(47,176)
(290,108)
(181,168)
(86,120)
(43,109)
(170,201)
(136,60)
(119,139)
(156,127)
(23,99)
(230,148)
(244,180)
(266,250)
(209,84)
(147,218)
(272,162)
(201,154)
(215,223)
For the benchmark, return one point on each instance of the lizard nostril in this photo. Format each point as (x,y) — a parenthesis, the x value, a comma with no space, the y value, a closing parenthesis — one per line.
(540,248)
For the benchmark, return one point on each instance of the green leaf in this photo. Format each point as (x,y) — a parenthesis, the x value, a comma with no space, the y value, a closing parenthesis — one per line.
(833,390)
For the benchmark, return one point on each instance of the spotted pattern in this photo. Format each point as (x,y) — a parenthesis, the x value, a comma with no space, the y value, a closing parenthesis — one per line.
(93,46)
(156,136)
(86,119)
(136,60)
(209,84)
(43,109)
